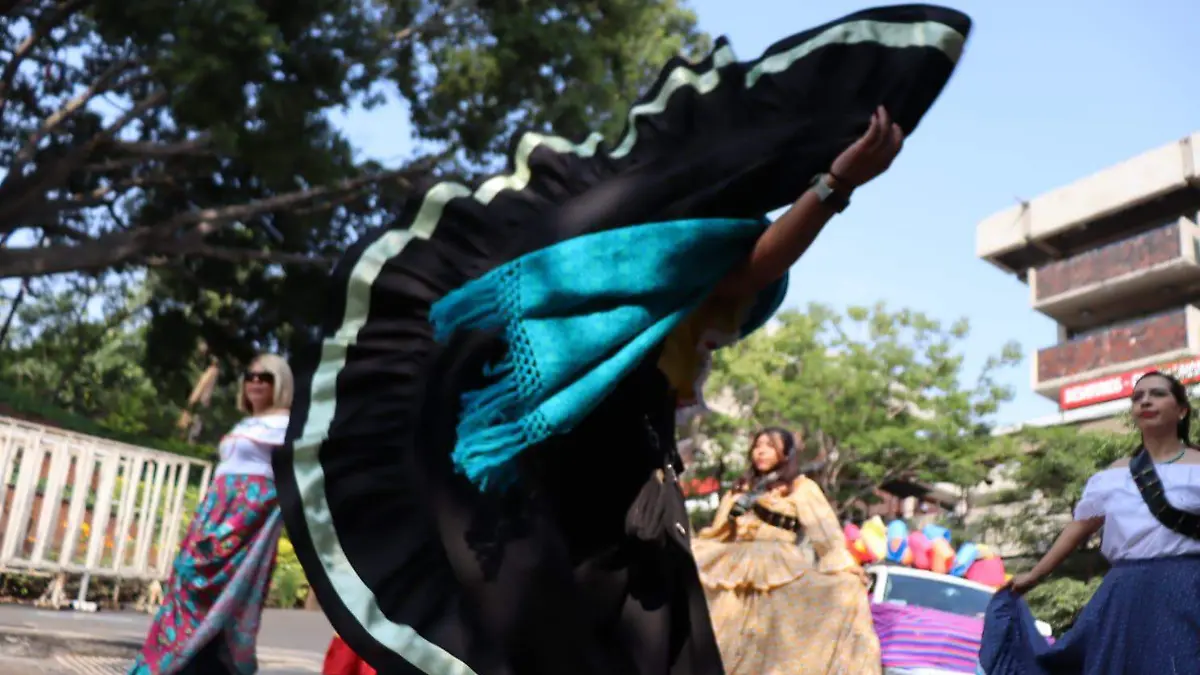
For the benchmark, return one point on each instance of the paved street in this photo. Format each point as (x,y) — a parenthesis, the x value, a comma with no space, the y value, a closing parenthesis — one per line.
(291,642)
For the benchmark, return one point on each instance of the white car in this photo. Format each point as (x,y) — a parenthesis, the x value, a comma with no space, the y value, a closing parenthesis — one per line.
(895,585)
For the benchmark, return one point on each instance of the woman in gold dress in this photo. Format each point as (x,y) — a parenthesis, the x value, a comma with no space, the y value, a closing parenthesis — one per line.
(775,609)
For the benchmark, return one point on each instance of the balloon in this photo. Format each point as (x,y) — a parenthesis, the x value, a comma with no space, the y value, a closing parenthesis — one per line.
(861,553)
(897,530)
(941,556)
(852,533)
(985,552)
(967,553)
(875,525)
(935,532)
(897,541)
(918,545)
(874,535)
(989,572)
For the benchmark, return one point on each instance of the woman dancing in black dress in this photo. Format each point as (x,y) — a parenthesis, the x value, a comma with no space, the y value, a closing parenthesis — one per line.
(572,557)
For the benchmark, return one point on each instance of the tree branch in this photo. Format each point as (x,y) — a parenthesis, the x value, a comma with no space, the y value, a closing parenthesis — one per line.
(99,86)
(39,32)
(101,196)
(172,238)
(19,193)
(139,152)
(208,221)
(239,255)
(142,150)
(8,6)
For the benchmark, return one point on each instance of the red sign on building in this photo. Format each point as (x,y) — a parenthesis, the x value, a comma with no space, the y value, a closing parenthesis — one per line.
(1113,387)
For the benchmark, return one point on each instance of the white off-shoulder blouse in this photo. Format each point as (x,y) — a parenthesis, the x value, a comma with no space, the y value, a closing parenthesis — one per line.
(1131,532)
(246,449)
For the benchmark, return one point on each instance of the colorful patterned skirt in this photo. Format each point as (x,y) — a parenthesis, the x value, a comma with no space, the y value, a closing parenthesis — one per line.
(1144,620)
(213,602)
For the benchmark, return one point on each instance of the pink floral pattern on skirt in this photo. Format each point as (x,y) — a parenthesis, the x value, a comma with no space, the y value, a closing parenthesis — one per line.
(220,579)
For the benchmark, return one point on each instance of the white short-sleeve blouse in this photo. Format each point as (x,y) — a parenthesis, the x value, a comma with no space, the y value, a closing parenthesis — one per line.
(246,449)
(1131,532)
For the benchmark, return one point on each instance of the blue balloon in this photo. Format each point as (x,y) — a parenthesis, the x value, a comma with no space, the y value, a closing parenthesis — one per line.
(897,540)
(935,532)
(897,529)
(967,553)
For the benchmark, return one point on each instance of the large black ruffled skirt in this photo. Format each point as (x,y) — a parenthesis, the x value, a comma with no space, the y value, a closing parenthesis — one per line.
(417,571)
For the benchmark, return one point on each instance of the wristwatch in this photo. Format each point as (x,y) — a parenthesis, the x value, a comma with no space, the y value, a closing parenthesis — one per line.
(834,198)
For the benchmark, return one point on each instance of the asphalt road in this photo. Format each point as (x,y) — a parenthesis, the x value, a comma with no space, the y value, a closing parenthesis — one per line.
(290,643)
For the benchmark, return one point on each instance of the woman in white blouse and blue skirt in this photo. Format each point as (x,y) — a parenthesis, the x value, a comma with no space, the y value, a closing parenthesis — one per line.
(1145,618)
(208,622)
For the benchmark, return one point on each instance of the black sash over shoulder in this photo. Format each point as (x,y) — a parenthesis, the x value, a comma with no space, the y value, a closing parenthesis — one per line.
(1145,476)
(778,520)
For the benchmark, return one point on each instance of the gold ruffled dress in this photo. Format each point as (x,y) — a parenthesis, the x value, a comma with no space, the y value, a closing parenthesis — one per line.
(775,610)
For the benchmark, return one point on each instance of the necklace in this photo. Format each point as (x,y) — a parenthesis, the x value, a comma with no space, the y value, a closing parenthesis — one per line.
(1176,458)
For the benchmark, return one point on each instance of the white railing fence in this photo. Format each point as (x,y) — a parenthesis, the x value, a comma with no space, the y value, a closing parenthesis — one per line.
(78,505)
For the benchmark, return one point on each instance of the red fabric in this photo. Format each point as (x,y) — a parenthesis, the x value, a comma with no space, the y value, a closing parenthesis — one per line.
(341,660)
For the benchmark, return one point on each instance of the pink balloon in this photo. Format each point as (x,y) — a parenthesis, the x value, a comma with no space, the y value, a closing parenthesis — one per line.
(919,545)
(989,572)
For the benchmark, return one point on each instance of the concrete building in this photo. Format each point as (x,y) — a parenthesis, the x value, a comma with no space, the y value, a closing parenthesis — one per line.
(1114,260)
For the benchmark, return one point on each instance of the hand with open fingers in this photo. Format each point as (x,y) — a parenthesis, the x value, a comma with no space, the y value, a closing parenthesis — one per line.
(871,154)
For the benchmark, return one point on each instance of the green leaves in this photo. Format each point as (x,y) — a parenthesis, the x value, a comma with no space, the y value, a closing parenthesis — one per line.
(570,66)
(1058,602)
(881,393)
(1045,484)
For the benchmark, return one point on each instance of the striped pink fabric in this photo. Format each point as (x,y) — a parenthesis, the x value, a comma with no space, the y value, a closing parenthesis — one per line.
(915,637)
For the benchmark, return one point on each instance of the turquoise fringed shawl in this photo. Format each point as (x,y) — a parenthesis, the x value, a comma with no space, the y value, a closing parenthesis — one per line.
(577,317)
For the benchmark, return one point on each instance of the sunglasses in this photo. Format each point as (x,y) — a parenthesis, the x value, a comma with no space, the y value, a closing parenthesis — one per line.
(257,376)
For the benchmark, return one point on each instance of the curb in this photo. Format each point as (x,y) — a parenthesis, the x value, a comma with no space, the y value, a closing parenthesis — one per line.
(74,642)
(114,646)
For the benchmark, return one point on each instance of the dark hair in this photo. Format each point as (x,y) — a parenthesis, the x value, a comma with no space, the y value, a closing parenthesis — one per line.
(1179,392)
(789,464)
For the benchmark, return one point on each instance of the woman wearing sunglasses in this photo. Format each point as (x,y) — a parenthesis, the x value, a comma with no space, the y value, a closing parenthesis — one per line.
(209,619)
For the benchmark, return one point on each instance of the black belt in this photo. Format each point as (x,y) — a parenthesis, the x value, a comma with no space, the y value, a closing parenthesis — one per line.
(778,519)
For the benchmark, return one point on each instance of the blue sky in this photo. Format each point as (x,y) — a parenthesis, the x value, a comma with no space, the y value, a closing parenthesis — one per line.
(1046,93)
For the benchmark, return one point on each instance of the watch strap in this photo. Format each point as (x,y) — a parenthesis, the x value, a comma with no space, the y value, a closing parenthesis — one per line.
(835,199)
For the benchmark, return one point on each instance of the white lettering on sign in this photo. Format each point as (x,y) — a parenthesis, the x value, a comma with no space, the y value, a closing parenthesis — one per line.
(1119,386)
(1111,386)
(1186,371)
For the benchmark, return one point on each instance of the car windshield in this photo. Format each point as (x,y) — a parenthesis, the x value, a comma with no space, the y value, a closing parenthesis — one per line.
(933,594)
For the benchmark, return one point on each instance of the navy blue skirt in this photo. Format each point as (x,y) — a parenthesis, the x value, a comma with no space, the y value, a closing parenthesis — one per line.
(1144,620)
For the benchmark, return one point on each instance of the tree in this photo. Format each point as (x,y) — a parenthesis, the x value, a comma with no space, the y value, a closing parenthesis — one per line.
(144,133)
(877,393)
(76,347)
(148,132)
(1046,483)
(192,137)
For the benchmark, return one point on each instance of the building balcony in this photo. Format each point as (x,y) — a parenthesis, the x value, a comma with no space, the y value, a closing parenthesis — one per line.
(1160,339)
(1157,269)
(1136,195)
